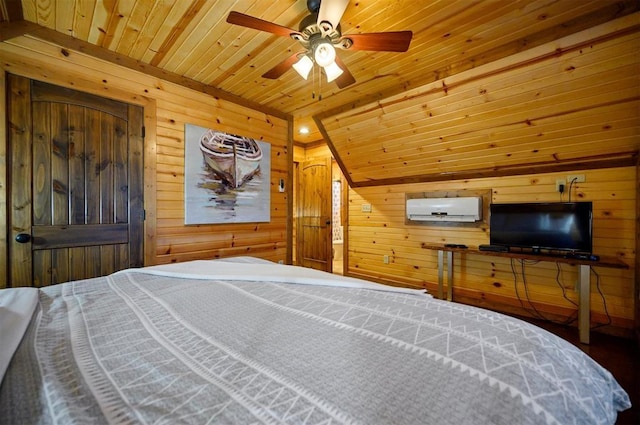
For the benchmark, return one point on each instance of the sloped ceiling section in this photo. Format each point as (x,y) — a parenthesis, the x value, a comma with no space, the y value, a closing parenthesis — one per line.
(568,104)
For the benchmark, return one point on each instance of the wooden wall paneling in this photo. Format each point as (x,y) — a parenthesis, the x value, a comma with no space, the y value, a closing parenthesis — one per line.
(132,86)
(92,258)
(20,171)
(92,155)
(42,194)
(59,192)
(107,259)
(77,263)
(636,289)
(60,265)
(289,190)
(95,76)
(59,154)
(121,173)
(41,266)
(171,184)
(77,194)
(105,164)
(134,206)
(490,281)
(4,243)
(259,125)
(150,146)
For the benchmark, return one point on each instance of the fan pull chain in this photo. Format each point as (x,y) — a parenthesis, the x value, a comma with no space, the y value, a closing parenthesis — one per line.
(316,81)
(313,82)
(319,85)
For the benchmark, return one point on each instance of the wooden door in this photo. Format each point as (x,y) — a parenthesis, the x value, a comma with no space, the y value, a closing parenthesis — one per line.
(314,235)
(75,183)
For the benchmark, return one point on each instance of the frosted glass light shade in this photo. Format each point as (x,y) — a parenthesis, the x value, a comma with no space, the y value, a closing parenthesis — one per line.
(333,71)
(325,54)
(303,66)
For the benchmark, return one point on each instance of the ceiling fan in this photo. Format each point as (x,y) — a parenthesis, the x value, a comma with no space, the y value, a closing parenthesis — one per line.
(320,34)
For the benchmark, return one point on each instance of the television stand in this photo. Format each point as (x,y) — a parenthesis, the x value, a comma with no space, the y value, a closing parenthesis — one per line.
(584,273)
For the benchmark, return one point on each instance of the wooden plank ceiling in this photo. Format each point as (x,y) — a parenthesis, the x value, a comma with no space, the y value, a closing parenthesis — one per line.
(189,42)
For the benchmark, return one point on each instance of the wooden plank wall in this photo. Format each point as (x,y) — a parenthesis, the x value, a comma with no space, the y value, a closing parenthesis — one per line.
(168,107)
(637,269)
(489,281)
(569,103)
(3,186)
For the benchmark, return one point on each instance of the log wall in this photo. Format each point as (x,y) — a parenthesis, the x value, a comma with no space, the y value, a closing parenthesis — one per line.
(168,107)
(491,281)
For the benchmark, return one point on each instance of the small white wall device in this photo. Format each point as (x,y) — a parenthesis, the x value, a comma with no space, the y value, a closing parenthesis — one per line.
(463,209)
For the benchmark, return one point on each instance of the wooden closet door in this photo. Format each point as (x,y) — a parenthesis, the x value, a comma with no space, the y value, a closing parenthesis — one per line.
(76,168)
(314,232)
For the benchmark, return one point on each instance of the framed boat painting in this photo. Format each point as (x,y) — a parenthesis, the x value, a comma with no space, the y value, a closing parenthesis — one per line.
(226,177)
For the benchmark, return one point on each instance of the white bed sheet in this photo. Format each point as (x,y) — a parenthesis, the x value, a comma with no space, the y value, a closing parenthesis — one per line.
(210,341)
(16,308)
(265,271)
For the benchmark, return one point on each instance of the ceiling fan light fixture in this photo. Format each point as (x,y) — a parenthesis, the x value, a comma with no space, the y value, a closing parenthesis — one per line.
(332,71)
(303,66)
(324,54)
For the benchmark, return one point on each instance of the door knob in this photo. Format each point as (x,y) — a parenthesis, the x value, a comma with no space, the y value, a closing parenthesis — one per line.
(23,237)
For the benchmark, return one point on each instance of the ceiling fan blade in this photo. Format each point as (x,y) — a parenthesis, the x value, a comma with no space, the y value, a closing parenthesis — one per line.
(237,18)
(331,11)
(345,79)
(277,71)
(392,41)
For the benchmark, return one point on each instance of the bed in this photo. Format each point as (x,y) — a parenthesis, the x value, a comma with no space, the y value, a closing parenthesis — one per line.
(248,341)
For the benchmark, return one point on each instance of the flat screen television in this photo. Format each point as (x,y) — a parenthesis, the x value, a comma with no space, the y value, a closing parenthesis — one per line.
(554,226)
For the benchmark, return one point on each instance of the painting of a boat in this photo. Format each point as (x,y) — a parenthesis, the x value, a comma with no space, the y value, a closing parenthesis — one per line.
(235,159)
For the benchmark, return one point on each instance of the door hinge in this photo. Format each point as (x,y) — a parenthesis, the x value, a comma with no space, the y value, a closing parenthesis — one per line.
(144,131)
(144,215)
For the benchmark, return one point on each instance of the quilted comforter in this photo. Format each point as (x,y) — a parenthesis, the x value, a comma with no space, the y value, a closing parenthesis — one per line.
(238,342)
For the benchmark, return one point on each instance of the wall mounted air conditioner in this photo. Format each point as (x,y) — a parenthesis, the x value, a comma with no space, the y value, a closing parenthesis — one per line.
(466,209)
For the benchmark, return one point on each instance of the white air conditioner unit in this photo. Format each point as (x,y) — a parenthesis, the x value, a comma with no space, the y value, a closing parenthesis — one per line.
(468,209)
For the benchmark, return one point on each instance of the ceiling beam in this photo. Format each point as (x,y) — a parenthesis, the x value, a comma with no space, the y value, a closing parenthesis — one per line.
(613,160)
(11,10)
(12,23)
(9,30)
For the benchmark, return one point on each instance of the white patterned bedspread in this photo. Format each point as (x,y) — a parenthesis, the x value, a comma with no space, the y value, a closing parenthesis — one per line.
(234,343)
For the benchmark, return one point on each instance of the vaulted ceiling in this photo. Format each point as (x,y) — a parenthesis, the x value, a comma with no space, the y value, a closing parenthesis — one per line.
(190,42)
